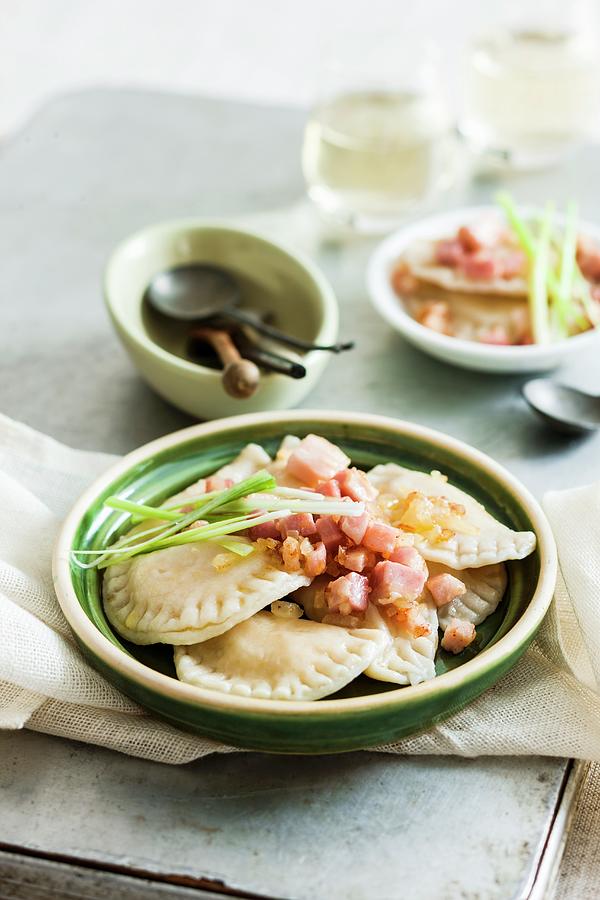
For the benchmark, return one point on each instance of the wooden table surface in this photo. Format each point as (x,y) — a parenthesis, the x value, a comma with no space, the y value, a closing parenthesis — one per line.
(77,820)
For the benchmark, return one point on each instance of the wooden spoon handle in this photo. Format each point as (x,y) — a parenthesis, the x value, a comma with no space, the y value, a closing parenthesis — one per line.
(240,376)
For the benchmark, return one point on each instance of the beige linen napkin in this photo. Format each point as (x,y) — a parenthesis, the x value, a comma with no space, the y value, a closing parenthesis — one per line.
(549,704)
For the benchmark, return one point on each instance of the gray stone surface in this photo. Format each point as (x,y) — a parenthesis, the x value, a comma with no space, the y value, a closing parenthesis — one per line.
(352,827)
(87,171)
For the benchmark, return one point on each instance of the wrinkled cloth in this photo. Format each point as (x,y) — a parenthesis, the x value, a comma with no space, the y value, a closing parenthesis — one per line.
(548,704)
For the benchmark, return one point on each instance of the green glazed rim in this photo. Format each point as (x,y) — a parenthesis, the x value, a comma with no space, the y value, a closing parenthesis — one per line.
(186,455)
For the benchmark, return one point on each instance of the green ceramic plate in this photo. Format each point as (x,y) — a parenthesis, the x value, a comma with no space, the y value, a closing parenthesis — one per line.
(368,712)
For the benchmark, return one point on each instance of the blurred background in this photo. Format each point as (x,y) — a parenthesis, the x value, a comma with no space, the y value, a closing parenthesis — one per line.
(432,90)
(264,50)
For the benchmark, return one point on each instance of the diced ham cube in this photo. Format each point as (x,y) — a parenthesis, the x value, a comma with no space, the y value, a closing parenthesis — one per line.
(265,530)
(449,252)
(445,588)
(390,580)
(216,483)
(315,559)
(357,559)
(329,488)
(409,556)
(315,459)
(458,635)
(348,594)
(380,538)
(301,523)
(330,533)
(468,240)
(480,266)
(355,484)
(354,527)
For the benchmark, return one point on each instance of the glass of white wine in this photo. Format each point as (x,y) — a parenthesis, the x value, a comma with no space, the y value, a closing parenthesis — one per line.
(379,141)
(532,83)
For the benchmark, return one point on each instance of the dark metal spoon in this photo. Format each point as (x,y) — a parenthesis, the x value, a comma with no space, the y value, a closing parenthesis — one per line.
(564,408)
(199,292)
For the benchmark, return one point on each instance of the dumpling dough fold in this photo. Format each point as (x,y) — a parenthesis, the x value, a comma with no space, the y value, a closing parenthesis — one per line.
(401,658)
(279,659)
(485,589)
(177,596)
(491,542)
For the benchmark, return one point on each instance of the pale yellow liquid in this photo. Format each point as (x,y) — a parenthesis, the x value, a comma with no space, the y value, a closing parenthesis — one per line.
(375,154)
(532,95)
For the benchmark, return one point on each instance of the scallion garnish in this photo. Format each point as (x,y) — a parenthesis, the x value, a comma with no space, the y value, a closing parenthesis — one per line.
(538,294)
(139,511)
(214,517)
(237,545)
(554,275)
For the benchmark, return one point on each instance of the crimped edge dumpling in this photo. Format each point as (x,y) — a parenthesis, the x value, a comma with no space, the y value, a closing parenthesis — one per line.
(491,540)
(177,596)
(485,589)
(280,659)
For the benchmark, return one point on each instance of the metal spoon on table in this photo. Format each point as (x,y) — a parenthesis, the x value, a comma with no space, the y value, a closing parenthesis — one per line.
(564,408)
(199,292)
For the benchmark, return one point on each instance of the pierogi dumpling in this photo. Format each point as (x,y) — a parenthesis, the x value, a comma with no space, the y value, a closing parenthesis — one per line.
(177,596)
(249,461)
(402,658)
(485,589)
(484,540)
(278,467)
(420,258)
(405,659)
(279,659)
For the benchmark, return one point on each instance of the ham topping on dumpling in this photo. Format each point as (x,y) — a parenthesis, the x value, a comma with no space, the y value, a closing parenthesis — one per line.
(348,594)
(330,533)
(381,538)
(355,527)
(445,588)
(301,523)
(357,559)
(458,635)
(316,459)
(355,484)
(392,580)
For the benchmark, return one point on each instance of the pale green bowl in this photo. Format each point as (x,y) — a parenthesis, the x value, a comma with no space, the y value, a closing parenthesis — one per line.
(271,276)
(367,712)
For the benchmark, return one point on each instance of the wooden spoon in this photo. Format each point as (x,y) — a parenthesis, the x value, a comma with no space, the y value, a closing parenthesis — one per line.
(240,376)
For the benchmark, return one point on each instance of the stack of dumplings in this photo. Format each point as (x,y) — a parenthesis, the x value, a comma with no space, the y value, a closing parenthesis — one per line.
(232,634)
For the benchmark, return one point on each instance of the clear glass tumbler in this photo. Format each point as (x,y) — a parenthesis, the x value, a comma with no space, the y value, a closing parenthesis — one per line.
(533,84)
(379,141)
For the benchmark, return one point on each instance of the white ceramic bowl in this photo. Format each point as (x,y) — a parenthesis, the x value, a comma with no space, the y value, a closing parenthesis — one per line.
(272,276)
(467,354)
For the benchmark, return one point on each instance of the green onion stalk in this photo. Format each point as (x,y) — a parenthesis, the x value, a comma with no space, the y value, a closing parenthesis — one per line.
(215,517)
